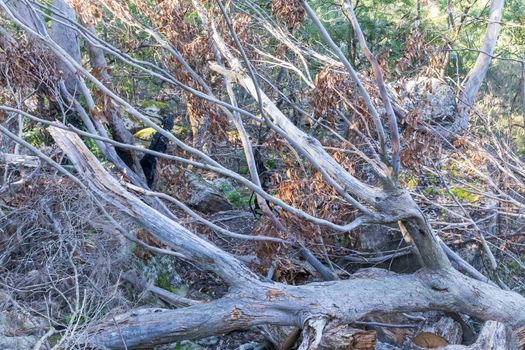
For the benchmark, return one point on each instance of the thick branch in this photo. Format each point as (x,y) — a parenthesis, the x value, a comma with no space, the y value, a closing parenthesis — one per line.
(163,228)
(373,111)
(392,119)
(18,159)
(309,144)
(341,302)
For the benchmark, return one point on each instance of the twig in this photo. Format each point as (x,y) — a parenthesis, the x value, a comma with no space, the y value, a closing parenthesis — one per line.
(41,341)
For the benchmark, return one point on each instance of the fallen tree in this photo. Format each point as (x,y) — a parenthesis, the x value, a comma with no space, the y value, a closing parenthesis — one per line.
(252,302)
(317,308)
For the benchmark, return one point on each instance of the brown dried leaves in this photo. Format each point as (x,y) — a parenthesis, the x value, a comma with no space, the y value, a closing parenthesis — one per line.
(290,12)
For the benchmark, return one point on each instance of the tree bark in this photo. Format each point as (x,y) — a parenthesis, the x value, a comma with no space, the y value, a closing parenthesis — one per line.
(477,74)
(493,336)
(18,159)
(115,122)
(341,302)
(67,38)
(252,302)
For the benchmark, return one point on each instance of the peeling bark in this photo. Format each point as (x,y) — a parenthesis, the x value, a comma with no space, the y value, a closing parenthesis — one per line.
(281,305)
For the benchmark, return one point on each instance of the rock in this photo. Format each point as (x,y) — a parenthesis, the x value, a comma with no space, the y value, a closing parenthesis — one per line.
(210,341)
(206,198)
(382,238)
(161,271)
(375,238)
(434,99)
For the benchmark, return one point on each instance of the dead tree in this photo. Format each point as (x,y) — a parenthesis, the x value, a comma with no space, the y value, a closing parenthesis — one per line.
(317,308)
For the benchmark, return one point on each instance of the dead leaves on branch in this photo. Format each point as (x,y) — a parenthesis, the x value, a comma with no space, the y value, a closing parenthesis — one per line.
(87,11)
(313,195)
(28,66)
(420,146)
(289,12)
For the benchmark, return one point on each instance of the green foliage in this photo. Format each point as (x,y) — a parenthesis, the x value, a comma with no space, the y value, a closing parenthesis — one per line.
(233,195)
(162,270)
(463,195)
(431,191)
(163,280)
(37,136)
(185,346)
(243,170)
(92,146)
(159,104)
(386,24)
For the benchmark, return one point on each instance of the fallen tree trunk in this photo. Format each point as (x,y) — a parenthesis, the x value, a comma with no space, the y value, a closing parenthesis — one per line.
(342,302)
(163,228)
(19,159)
(252,302)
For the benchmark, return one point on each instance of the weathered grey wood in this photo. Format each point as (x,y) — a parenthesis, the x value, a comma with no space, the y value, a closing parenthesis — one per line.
(395,203)
(342,302)
(477,74)
(252,302)
(493,336)
(19,159)
(163,228)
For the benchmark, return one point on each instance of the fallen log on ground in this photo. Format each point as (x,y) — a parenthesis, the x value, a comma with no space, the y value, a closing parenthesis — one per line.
(252,302)
(19,159)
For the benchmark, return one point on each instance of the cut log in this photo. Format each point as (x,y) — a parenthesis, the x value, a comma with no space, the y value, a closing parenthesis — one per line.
(344,337)
(437,333)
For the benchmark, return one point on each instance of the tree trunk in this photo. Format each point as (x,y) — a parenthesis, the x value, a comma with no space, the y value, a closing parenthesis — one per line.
(115,122)
(252,302)
(67,38)
(477,74)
